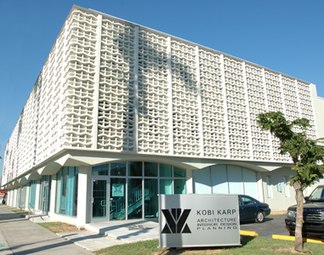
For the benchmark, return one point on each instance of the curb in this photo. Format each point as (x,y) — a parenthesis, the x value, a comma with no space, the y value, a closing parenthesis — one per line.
(248,233)
(292,238)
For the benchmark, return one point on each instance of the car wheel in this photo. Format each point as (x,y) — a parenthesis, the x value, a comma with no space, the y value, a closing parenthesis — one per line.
(291,233)
(259,217)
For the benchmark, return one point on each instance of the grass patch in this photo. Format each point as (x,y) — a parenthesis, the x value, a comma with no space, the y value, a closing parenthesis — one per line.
(58,227)
(139,248)
(255,246)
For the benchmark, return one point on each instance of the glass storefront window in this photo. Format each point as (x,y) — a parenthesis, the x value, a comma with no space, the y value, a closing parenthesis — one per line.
(134,200)
(165,170)
(22,197)
(150,198)
(32,195)
(99,188)
(166,186)
(117,198)
(150,169)
(44,195)
(179,172)
(179,186)
(135,168)
(100,170)
(134,194)
(118,169)
(66,191)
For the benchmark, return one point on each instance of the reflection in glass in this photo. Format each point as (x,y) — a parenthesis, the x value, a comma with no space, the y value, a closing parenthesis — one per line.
(67,191)
(179,186)
(118,169)
(178,172)
(99,198)
(135,168)
(165,170)
(100,170)
(150,169)
(134,199)
(117,198)
(166,186)
(150,198)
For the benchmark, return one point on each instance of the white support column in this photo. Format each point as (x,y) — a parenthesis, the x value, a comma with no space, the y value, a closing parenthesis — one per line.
(9,197)
(14,198)
(228,153)
(27,197)
(199,103)
(170,108)
(84,196)
(52,195)
(189,182)
(260,187)
(136,88)
(96,84)
(248,118)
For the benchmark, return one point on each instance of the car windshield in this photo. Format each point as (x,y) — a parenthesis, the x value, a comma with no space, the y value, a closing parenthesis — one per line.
(317,194)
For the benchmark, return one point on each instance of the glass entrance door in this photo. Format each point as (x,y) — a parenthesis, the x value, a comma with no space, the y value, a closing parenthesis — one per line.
(117,199)
(99,199)
(135,199)
(45,193)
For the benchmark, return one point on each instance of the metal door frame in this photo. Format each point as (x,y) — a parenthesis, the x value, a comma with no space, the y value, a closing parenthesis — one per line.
(107,179)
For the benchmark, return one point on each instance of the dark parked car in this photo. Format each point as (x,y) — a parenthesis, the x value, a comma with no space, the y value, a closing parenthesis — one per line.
(252,209)
(313,215)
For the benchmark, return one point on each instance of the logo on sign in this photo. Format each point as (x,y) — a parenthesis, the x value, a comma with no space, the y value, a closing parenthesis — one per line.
(176,221)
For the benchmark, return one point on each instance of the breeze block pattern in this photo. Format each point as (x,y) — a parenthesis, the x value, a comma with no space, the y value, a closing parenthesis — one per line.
(116,115)
(111,85)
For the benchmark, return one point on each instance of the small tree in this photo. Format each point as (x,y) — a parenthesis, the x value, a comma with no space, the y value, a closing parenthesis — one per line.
(307,157)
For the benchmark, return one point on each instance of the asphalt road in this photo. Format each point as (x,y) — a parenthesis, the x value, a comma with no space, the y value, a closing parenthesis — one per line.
(273,224)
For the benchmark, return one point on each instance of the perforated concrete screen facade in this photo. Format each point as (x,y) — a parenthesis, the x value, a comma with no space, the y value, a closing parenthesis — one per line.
(115,86)
(112,91)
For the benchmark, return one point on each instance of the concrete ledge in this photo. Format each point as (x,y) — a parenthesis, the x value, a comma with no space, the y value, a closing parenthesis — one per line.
(248,233)
(292,238)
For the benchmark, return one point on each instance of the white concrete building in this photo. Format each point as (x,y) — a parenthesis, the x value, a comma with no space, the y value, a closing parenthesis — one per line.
(121,113)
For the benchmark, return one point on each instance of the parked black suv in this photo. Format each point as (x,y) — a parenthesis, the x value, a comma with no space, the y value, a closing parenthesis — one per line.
(313,215)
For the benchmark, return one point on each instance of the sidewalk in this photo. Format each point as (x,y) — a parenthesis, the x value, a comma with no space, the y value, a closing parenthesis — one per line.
(106,234)
(20,236)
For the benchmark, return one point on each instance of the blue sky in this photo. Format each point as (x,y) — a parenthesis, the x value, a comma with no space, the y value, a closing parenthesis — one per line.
(283,35)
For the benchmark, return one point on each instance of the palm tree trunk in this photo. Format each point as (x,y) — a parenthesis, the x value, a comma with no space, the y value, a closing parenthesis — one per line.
(299,245)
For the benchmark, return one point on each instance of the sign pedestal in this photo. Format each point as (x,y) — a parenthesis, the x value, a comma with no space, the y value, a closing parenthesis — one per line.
(199,220)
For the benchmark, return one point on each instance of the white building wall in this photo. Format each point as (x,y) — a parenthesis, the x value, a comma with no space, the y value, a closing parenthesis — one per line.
(84,196)
(276,189)
(318,104)
(138,90)
(52,195)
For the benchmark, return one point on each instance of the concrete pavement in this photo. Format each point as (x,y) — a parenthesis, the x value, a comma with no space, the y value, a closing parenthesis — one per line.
(107,234)
(20,236)
(273,224)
